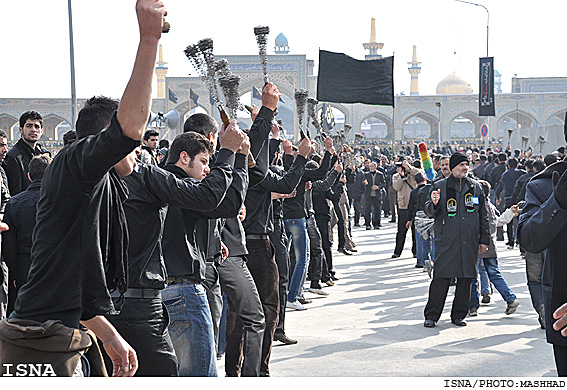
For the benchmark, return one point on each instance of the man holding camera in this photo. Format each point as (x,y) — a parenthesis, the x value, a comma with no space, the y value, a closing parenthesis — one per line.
(403,181)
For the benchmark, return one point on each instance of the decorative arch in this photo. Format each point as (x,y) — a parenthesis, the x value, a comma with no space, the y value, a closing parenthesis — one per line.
(50,124)
(556,118)
(521,117)
(7,123)
(471,116)
(383,118)
(430,119)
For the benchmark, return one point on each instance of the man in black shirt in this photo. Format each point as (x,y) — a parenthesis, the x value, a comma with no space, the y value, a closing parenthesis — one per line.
(19,215)
(18,158)
(152,190)
(80,240)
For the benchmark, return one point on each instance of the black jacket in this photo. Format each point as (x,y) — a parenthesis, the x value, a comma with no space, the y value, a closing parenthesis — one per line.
(16,165)
(17,242)
(379,180)
(294,208)
(543,228)
(151,191)
(418,197)
(183,251)
(355,183)
(259,209)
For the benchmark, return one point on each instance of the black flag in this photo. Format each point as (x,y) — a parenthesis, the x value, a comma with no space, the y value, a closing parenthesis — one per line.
(486,90)
(343,79)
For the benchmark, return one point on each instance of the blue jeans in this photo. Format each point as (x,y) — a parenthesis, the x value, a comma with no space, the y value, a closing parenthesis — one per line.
(296,230)
(491,266)
(191,329)
(424,248)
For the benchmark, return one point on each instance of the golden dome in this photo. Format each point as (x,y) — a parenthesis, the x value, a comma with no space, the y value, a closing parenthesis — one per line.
(452,85)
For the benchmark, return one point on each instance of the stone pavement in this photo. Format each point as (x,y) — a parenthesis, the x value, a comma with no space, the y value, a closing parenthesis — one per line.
(371,324)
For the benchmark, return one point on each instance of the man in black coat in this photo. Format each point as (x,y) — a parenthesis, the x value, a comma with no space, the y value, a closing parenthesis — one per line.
(18,158)
(543,228)
(461,233)
(20,216)
(374,182)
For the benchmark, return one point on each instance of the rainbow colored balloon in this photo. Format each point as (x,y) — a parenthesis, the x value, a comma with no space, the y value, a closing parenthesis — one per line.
(426,162)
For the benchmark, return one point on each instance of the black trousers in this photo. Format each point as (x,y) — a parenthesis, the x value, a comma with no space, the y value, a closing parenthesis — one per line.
(245,323)
(438,294)
(372,219)
(316,256)
(324,226)
(143,323)
(280,241)
(264,271)
(403,215)
(340,225)
(560,354)
(214,296)
(357,204)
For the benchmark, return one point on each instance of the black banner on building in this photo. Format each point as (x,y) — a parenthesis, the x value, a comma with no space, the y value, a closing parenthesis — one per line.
(486,90)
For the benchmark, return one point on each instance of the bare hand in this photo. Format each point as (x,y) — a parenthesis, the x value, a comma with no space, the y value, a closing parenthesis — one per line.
(242,214)
(516,210)
(482,248)
(123,356)
(561,316)
(374,187)
(231,137)
(305,147)
(435,196)
(287,146)
(275,130)
(365,182)
(408,224)
(339,167)
(254,113)
(224,252)
(150,15)
(245,146)
(270,96)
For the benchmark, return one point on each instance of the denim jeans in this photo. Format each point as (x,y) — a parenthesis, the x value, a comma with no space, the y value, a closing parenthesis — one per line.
(491,266)
(425,248)
(295,228)
(191,329)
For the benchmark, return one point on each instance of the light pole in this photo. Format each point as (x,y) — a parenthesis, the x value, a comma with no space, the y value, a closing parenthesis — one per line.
(72,54)
(487,19)
(438,104)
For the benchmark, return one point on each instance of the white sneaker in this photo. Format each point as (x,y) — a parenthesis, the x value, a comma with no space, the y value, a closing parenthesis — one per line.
(317,291)
(295,305)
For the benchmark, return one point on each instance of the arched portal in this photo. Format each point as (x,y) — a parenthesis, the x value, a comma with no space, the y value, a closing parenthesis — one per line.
(421,125)
(376,126)
(7,122)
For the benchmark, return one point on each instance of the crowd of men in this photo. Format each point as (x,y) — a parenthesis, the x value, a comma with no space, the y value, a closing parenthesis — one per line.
(126,255)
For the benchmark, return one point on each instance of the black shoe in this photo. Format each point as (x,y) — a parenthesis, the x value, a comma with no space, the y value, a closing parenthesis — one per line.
(376,227)
(459,322)
(356,225)
(485,298)
(304,301)
(344,251)
(429,324)
(334,277)
(392,221)
(395,256)
(283,338)
(368,227)
(418,266)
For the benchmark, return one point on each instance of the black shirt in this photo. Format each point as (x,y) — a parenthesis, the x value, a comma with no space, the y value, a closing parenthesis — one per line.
(16,165)
(151,191)
(185,251)
(259,209)
(80,239)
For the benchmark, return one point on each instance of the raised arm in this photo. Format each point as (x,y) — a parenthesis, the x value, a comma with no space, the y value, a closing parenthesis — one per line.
(135,104)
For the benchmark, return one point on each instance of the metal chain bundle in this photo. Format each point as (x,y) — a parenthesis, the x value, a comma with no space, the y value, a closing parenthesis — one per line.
(261,33)
(300,102)
(312,112)
(229,84)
